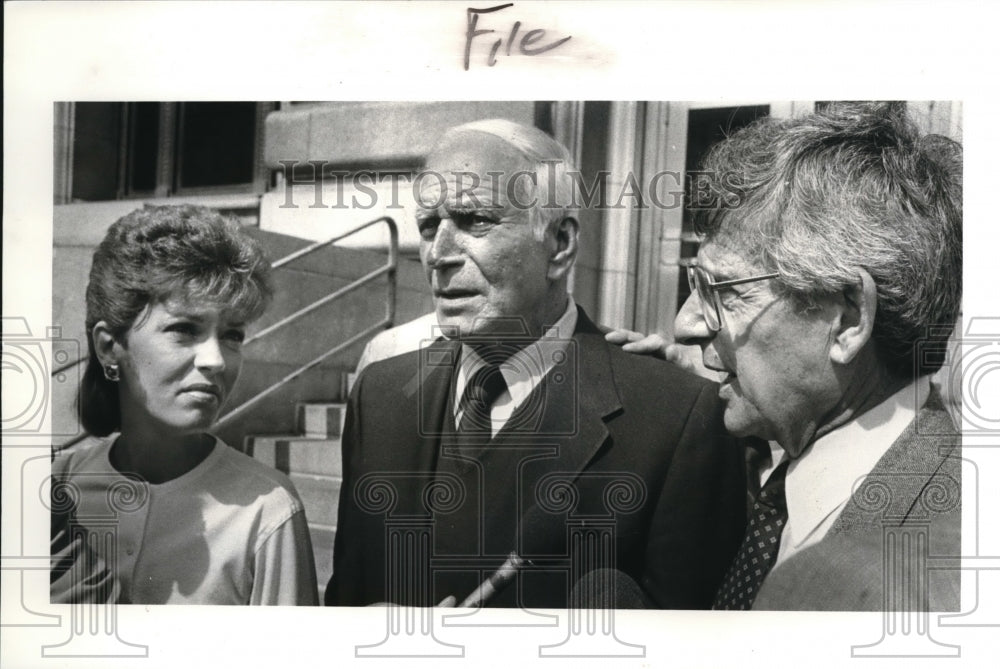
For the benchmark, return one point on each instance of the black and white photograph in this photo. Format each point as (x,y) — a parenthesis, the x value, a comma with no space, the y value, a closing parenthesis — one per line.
(533,344)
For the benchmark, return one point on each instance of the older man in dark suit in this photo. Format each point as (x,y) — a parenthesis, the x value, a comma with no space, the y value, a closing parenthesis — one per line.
(522,438)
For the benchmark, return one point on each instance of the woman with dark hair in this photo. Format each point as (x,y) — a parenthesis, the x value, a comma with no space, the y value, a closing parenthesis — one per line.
(171,293)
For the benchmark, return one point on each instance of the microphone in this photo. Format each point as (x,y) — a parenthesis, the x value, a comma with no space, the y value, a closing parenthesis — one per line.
(496,582)
(535,528)
(608,589)
(488,589)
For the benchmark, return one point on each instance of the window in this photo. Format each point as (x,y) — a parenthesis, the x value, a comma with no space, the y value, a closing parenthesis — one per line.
(706,127)
(160,149)
(215,145)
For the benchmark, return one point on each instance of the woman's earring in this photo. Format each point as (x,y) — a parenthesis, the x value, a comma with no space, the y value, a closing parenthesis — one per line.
(111,373)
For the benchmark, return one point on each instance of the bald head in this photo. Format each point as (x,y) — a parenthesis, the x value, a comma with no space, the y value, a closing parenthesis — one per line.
(534,167)
(496,242)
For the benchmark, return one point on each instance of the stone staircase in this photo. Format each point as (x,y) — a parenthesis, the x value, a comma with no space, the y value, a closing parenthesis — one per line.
(311,459)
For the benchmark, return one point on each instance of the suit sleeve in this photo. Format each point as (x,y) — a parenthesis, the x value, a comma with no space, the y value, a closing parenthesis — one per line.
(348,557)
(699,519)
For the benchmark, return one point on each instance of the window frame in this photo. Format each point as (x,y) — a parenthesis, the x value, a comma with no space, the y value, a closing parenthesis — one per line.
(170,161)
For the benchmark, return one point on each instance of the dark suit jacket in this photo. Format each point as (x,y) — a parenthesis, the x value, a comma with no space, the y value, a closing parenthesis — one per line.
(608,441)
(915,489)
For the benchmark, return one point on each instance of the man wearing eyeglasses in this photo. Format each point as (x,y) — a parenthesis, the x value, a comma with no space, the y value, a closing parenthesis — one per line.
(824,302)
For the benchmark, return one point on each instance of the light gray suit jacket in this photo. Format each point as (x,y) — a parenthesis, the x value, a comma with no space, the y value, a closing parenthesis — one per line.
(913,491)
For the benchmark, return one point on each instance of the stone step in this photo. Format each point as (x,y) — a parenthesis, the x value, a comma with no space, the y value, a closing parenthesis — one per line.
(276,413)
(320,420)
(297,454)
(320,496)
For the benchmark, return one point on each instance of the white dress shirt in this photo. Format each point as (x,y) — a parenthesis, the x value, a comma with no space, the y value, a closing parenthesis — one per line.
(522,372)
(819,483)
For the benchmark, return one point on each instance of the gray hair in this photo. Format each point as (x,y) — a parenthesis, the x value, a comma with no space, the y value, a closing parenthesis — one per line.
(551,162)
(855,186)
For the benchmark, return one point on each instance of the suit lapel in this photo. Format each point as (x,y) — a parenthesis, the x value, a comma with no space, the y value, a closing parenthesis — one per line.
(566,413)
(912,462)
(572,404)
(596,394)
(438,364)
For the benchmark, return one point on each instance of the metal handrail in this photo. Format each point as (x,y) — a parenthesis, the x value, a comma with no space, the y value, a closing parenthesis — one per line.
(301,370)
(367,278)
(393,241)
(389,269)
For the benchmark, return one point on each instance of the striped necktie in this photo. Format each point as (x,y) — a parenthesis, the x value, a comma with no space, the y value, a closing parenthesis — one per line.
(483,389)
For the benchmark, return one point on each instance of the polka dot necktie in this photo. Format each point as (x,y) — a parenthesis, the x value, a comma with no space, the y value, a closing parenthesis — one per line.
(760,546)
(483,389)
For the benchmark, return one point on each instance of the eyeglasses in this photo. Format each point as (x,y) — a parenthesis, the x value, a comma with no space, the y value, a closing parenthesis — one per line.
(708,293)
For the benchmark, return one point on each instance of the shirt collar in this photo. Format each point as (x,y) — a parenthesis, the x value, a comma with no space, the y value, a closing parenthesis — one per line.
(526,368)
(820,482)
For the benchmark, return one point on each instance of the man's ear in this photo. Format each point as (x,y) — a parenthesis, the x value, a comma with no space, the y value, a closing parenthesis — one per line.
(857,319)
(566,233)
(105,344)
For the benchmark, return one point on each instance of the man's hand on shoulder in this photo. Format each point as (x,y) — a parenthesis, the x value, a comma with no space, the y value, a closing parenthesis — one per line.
(656,345)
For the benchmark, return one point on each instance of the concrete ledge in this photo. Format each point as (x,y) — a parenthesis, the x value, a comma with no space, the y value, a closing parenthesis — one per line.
(298,454)
(333,213)
(372,133)
(275,414)
(84,223)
